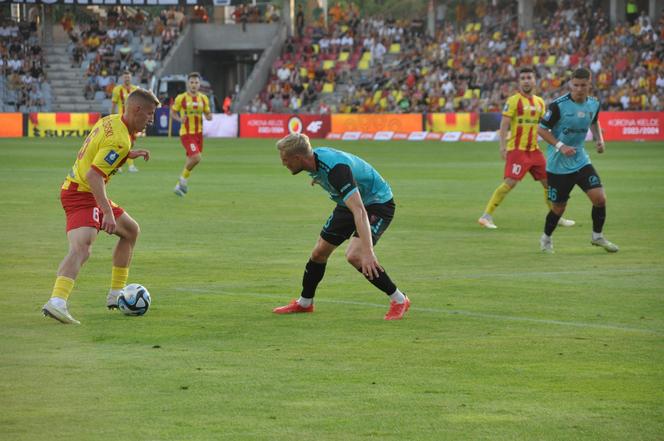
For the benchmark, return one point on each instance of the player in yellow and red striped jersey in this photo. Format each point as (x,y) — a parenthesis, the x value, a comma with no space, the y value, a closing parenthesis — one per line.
(521,116)
(189,108)
(87,208)
(118,98)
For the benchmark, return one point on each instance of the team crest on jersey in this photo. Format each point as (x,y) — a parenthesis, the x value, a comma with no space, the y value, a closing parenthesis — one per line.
(547,115)
(111,157)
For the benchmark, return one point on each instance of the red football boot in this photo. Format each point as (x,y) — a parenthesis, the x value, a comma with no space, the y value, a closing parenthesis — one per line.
(397,310)
(293,307)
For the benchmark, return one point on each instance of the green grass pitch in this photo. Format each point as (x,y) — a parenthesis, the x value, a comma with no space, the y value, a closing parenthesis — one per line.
(501,343)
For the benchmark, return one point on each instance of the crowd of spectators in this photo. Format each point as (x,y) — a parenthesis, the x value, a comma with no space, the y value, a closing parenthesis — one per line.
(23,85)
(244,14)
(376,65)
(106,46)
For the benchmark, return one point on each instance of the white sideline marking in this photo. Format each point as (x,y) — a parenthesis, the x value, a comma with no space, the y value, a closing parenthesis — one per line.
(548,273)
(438,311)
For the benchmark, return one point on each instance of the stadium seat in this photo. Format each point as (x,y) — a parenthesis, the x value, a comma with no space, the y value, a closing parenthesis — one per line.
(366,56)
(513,61)
(363,65)
(328,64)
(395,48)
(550,60)
(99,95)
(328,88)
(536,60)
(343,56)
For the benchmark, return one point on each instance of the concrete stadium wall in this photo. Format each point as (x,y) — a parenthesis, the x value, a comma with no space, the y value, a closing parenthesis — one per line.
(230,37)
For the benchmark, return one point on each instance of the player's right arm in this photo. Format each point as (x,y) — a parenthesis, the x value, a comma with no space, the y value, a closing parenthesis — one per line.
(549,121)
(504,135)
(114,99)
(175,108)
(98,188)
(508,113)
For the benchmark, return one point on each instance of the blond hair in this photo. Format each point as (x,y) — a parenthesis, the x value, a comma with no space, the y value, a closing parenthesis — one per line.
(143,96)
(295,144)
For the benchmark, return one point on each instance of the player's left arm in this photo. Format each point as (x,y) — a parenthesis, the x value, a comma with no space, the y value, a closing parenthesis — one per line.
(114,100)
(370,265)
(341,178)
(206,109)
(596,130)
(139,153)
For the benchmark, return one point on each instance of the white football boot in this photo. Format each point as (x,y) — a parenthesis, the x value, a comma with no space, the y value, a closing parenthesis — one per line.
(56,308)
(610,247)
(112,298)
(546,244)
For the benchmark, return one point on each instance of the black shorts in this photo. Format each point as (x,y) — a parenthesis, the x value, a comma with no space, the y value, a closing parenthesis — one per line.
(560,186)
(341,224)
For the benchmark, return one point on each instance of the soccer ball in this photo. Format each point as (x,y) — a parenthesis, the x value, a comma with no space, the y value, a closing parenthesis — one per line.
(134,300)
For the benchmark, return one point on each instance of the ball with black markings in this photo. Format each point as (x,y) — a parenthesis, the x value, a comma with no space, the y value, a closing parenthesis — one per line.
(134,300)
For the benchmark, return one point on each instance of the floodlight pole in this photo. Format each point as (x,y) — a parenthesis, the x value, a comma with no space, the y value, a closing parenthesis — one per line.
(288,14)
(323,4)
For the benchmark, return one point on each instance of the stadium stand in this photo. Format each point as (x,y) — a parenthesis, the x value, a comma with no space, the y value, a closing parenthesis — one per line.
(392,66)
(23,83)
(103,42)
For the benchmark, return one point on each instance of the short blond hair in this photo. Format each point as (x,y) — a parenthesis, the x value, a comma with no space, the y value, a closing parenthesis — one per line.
(295,144)
(143,96)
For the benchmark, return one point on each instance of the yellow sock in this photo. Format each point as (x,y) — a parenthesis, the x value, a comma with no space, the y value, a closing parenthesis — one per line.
(546,199)
(63,287)
(186,173)
(497,197)
(119,277)
(130,162)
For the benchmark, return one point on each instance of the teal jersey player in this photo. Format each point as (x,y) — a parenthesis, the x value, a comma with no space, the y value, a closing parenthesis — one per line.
(564,128)
(569,122)
(371,185)
(363,211)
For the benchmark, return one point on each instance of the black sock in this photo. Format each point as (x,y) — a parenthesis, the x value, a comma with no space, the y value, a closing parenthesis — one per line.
(382,282)
(313,274)
(599,216)
(551,223)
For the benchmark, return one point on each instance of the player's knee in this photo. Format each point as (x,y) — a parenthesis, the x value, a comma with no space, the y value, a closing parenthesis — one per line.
(134,231)
(600,201)
(81,252)
(558,209)
(319,256)
(354,259)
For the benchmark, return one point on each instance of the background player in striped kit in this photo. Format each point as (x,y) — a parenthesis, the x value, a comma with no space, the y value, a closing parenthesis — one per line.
(521,116)
(118,98)
(189,108)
